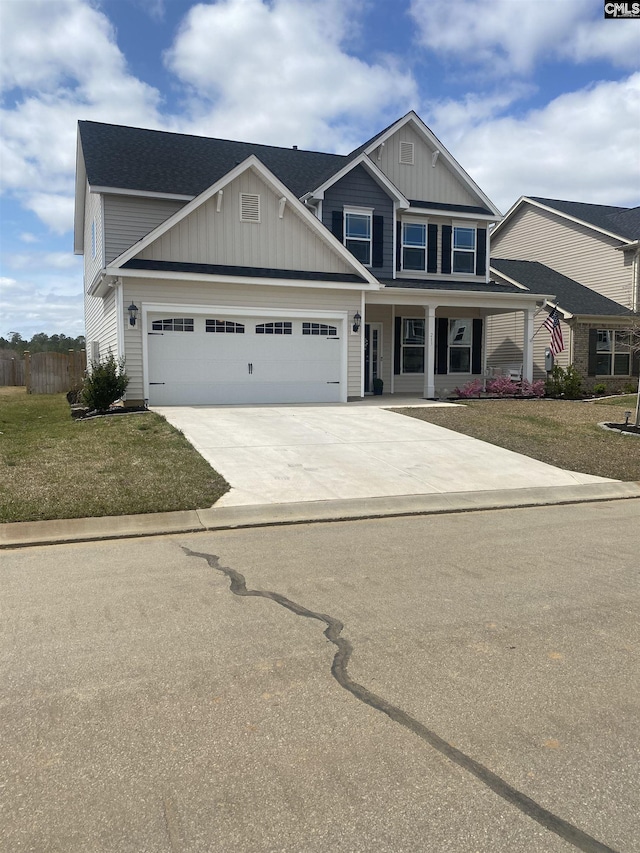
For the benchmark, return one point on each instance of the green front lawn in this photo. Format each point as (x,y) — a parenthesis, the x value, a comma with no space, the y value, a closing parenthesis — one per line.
(54,467)
(561,432)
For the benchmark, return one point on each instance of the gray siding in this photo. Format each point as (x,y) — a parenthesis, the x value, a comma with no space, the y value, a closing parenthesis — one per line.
(505,342)
(93,213)
(569,248)
(358,189)
(128,219)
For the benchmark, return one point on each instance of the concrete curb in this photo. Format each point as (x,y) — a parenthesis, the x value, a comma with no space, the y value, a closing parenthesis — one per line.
(28,534)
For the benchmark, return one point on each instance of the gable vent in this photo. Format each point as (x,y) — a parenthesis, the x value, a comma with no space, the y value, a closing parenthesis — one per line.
(249,207)
(406,153)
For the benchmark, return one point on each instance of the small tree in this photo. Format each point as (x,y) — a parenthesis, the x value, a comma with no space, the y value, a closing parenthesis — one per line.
(634,348)
(105,383)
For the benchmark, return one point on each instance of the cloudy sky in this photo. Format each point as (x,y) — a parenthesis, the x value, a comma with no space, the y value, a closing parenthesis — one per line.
(533,97)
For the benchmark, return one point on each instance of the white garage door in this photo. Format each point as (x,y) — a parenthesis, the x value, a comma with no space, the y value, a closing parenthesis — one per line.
(198,360)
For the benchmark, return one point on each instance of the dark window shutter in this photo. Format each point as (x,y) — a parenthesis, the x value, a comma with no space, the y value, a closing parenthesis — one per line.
(397,348)
(476,347)
(635,367)
(337,227)
(378,242)
(481,253)
(398,245)
(442,344)
(593,349)
(432,248)
(447,231)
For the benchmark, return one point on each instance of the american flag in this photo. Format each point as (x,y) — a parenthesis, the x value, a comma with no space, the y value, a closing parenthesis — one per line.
(552,323)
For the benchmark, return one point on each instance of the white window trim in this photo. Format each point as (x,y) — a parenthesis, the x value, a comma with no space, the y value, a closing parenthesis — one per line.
(469,226)
(612,355)
(403,345)
(360,211)
(450,346)
(413,220)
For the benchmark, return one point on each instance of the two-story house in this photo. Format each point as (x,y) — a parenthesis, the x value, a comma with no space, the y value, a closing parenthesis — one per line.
(227,272)
(588,256)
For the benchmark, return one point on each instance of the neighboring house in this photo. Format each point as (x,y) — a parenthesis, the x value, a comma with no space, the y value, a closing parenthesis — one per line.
(588,256)
(264,274)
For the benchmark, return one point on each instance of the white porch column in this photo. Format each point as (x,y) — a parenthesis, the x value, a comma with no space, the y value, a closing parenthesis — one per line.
(527,347)
(429,351)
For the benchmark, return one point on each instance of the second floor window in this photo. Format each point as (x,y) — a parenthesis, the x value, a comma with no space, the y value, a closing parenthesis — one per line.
(414,246)
(357,235)
(464,249)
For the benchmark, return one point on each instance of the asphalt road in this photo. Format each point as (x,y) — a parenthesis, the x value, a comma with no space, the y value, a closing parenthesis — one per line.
(477,688)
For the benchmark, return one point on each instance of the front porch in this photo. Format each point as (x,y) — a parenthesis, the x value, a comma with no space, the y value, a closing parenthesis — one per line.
(426,344)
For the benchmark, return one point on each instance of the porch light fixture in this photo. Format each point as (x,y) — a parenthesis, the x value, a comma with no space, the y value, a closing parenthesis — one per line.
(356,321)
(133,314)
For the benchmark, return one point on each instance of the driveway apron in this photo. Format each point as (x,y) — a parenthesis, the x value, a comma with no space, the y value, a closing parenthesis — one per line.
(283,454)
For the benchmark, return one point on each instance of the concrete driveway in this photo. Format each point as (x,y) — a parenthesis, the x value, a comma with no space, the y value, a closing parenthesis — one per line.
(284,454)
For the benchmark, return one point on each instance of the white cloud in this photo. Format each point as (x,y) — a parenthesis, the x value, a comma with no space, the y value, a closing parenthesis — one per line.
(278,73)
(27,237)
(582,146)
(51,304)
(59,63)
(509,36)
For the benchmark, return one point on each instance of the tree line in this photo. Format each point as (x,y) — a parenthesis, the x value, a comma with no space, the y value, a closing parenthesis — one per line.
(41,342)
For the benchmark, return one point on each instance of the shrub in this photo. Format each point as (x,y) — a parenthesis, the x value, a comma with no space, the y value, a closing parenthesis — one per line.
(471,389)
(600,388)
(564,382)
(532,389)
(105,383)
(503,386)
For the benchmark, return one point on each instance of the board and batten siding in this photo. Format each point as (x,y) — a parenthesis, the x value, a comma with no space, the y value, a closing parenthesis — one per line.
(236,294)
(580,253)
(128,219)
(358,189)
(207,236)
(421,181)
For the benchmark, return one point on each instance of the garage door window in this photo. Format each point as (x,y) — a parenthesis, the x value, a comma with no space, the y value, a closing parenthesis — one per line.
(224,326)
(277,328)
(173,324)
(319,329)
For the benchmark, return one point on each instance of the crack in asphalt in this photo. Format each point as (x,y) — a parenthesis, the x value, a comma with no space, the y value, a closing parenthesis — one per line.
(567,831)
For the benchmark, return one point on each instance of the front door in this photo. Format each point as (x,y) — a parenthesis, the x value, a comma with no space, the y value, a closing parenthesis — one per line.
(372,354)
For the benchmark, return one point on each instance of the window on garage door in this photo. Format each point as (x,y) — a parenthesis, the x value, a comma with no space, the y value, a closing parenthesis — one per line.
(319,329)
(224,326)
(277,328)
(173,324)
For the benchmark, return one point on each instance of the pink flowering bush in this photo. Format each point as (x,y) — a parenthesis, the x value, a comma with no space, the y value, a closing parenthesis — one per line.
(503,386)
(532,389)
(471,389)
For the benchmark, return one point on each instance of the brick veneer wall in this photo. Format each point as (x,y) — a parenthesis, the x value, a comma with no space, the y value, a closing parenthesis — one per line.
(581,363)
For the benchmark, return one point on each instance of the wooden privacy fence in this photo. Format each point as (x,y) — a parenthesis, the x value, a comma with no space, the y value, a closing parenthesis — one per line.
(11,370)
(54,372)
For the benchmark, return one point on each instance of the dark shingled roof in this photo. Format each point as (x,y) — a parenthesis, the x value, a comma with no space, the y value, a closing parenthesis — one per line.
(454,208)
(470,286)
(570,295)
(624,221)
(248,272)
(175,163)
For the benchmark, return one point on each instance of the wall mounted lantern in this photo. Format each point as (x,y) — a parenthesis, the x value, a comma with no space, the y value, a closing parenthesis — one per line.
(133,314)
(356,321)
